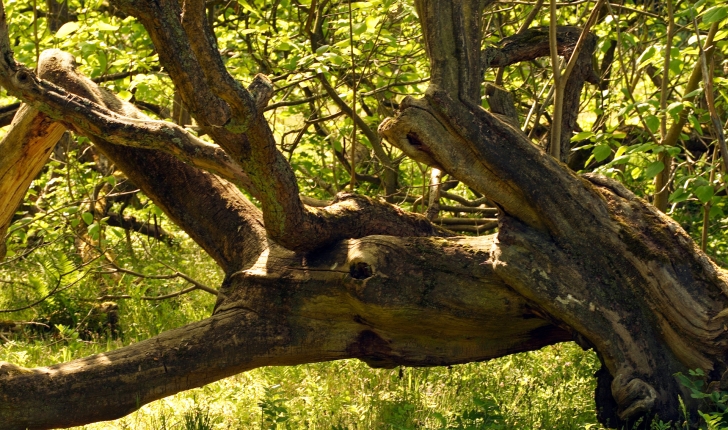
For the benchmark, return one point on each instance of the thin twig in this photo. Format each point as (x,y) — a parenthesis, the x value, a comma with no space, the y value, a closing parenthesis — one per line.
(176,274)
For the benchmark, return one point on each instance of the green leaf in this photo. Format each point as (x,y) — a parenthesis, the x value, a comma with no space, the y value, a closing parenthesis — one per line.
(715,14)
(337,59)
(674,109)
(676,66)
(93,230)
(372,23)
(673,150)
(125,95)
(653,169)
(696,124)
(646,55)
(601,152)
(692,93)
(582,136)
(704,193)
(716,211)
(625,109)
(102,26)
(652,122)
(88,218)
(67,29)
(680,195)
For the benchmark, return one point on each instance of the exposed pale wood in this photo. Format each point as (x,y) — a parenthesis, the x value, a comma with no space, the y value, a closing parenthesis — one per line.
(25,150)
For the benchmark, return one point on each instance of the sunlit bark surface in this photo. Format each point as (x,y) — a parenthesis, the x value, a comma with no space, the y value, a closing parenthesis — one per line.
(576,257)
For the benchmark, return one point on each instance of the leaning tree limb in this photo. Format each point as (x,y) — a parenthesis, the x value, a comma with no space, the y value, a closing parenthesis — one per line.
(648,301)
(351,301)
(241,130)
(93,111)
(25,150)
(575,257)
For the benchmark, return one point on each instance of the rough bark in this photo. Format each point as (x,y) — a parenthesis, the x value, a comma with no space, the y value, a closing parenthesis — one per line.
(388,301)
(575,257)
(648,301)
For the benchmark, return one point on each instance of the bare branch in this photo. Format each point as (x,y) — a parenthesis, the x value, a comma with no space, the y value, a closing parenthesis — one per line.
(196,285)
(133,224)
(389,171)
(149,298)
(251,144)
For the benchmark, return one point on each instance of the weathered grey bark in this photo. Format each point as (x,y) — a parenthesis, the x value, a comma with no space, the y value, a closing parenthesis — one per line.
(575,257)
(646,299)
(389,301)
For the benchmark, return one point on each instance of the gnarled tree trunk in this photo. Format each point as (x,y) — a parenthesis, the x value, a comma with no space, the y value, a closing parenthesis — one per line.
(575,257)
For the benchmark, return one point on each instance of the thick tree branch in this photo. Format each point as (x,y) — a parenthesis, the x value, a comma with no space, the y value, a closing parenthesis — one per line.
(251,144)
(453,45)
(177,56)
(93,111)
(206,207)
(212,211)
(204,46)
(25,150)
(352,301)
(530,44)
(417,128)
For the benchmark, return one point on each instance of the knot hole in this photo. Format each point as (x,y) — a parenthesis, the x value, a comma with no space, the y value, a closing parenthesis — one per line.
(360,270)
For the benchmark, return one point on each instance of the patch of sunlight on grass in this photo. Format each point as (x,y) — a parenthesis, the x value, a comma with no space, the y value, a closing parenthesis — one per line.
(551,388)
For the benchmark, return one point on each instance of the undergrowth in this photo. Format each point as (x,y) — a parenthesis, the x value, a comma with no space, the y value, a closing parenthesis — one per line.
(551,388)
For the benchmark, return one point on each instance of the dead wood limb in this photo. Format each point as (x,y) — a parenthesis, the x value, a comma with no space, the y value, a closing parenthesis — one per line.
(352,301)
(25,150)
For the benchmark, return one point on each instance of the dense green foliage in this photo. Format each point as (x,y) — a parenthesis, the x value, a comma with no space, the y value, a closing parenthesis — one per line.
(65,259)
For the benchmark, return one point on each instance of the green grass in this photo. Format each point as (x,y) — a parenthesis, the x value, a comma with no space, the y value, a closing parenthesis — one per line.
(551,388)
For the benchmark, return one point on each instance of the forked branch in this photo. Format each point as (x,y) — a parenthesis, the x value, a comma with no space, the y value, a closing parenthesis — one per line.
(248,139)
